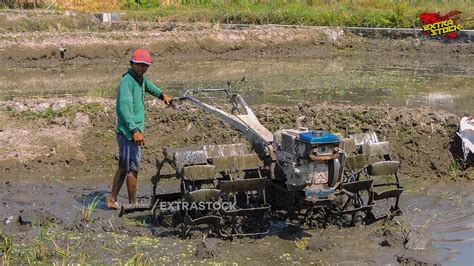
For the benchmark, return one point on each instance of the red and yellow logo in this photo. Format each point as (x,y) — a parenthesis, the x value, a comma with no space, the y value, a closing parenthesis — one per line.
(436,25)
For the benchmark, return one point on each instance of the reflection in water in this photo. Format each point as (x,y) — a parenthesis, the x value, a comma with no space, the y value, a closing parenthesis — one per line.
(361,80)
(446,213)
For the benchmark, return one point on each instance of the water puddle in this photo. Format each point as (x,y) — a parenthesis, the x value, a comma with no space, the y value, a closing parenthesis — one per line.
(446,213)
(364,79)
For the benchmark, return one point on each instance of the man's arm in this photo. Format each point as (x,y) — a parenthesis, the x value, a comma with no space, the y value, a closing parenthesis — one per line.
(155,91)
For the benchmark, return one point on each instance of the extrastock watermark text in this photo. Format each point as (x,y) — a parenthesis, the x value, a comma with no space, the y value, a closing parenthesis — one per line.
(435,25)
(196,206)
(442,27)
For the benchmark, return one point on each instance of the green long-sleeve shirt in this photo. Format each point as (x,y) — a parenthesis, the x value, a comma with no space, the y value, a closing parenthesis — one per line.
(130,103)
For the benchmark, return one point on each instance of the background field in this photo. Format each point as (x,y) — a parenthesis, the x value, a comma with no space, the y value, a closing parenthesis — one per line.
(364,13)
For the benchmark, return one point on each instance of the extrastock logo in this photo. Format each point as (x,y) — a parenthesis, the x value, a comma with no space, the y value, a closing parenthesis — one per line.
(436,25)
(196,206)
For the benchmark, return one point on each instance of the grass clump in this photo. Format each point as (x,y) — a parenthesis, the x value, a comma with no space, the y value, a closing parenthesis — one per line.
(92,109)
(6,247)
(454,169)
(41,248)
(302,243)
(136,260)
(85,210)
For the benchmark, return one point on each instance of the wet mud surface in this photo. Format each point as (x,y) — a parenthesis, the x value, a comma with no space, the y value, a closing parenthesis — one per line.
(59,153)
(436,228)
(44,212)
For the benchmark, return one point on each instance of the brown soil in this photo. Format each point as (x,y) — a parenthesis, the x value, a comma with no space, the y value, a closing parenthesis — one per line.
(422,139)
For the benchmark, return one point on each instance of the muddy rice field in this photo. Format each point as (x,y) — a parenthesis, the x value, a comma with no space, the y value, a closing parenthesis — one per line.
(59,152)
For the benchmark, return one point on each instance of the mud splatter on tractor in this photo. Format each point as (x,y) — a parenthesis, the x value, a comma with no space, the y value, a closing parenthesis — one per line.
(311,176)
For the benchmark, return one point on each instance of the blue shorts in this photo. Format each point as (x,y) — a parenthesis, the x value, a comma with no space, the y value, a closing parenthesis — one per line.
(129,153)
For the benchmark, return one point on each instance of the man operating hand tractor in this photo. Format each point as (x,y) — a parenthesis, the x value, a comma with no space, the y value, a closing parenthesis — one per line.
(130,110)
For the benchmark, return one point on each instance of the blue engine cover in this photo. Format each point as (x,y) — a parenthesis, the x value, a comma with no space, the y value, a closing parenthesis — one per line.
(318,137)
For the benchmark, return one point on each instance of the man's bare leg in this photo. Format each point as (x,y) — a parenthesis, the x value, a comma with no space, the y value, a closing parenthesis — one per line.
(132,177)
(119,178)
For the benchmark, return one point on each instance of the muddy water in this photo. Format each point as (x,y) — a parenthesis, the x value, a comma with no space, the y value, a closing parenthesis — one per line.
(362,79)
(446,213)
(441,215)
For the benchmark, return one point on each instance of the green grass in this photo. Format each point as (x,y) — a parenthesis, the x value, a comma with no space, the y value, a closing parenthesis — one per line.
(315,13)
(361,13)
(86,210)
(69,111)
(40,247)
(6,247)
(454,169)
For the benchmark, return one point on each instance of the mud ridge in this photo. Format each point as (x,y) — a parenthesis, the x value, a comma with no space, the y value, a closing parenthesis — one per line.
(421,138)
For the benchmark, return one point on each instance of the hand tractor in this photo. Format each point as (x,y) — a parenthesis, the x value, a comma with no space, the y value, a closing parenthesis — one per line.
(312,176)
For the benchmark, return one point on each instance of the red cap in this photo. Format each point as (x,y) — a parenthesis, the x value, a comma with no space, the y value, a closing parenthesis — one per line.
(141,56)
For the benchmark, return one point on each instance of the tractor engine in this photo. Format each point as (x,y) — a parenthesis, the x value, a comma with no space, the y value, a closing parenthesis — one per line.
(309,160)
